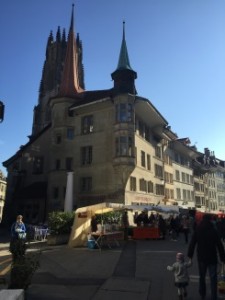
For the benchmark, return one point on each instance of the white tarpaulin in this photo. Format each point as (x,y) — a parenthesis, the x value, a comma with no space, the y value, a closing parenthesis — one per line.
(170,209)
(82,221)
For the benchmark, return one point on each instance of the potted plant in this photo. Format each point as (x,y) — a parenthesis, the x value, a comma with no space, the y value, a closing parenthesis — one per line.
(23,265)
(60,224)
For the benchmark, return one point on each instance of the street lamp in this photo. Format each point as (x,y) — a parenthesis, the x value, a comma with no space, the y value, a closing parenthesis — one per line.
(2,109)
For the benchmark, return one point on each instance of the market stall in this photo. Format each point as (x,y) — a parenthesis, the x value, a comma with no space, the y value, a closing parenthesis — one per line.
(81,229)
(142,233)
(215,214)
(145,229)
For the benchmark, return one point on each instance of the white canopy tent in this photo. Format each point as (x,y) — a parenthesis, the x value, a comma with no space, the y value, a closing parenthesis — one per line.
(82,221)
(168,209)
(83,215)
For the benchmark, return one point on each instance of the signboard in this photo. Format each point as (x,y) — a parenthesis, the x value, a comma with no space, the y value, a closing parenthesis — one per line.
(82,214)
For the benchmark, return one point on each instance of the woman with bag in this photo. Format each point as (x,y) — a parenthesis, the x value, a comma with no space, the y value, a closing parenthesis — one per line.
(18,229)
(18,238)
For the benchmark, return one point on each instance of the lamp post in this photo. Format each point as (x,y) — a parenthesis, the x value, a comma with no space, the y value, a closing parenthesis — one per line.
(2,110)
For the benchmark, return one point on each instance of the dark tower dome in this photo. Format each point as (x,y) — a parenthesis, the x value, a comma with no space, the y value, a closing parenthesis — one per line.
(124,76)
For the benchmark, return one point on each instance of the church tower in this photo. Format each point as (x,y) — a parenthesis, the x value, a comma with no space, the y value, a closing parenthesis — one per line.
(124,76)
(52,74)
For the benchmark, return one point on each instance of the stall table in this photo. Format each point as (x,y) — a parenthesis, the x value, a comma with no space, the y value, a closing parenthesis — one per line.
(108,239)
(142,233)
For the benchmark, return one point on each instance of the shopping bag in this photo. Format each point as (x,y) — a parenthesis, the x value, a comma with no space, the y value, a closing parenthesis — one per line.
(22,235)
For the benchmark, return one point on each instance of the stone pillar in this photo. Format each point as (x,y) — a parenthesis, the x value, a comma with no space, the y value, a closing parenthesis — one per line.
(68,203)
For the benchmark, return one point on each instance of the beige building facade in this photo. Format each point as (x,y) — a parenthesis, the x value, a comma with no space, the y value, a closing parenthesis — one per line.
(117,144)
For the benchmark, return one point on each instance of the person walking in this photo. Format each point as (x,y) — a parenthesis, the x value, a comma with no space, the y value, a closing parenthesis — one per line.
(174,228)
(185,225)
(181,277)
(125,224)
(162,227)
(94,223)
(208,242)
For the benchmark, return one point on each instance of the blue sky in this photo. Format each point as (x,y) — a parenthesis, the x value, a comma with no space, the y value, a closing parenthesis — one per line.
(177,48)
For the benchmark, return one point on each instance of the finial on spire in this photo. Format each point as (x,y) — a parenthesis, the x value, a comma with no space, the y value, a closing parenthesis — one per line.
(123,29)
(124,62)
(71,23)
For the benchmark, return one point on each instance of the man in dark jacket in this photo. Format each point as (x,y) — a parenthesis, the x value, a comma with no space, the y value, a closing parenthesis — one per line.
(208,243)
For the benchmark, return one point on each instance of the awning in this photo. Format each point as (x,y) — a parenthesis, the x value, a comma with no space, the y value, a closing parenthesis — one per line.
(158,208)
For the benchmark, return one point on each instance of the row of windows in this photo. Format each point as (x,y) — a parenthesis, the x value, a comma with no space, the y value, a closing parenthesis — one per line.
(221,200)
(169,193)
(146,163)
(85,186)
(199,187)
(145,160)
(87,126)
(212,205)
(86,159)
(211,183)
(158,152)
(220,187)
(168,177)
(181,160)
(143,130)
(124,113)
(158,171)
(220,174)
(167,159)
(199,201)
(212,194)
(69,135)
(187,195)
(186,178)
(146,186)
(123,148)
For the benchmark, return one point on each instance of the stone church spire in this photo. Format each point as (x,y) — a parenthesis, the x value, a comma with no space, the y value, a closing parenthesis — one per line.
(60,54)
(70,85)
(124,75)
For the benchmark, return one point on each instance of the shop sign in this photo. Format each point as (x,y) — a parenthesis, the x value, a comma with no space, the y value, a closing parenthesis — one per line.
(82,214)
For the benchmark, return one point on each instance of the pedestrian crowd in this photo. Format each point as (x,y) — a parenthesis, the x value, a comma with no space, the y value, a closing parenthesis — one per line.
(172,226)
(204,237)
(207,237)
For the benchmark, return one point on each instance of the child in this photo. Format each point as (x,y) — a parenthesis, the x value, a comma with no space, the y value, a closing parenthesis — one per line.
(179,268)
